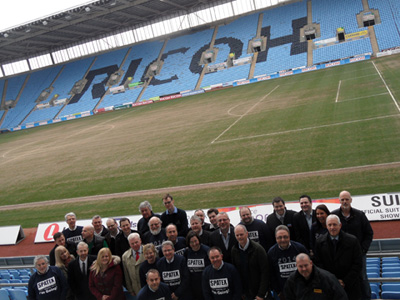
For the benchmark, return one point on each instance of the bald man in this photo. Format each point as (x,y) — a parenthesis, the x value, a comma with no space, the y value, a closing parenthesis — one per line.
(355,222)
(94,242)
(311,282)
(339,253)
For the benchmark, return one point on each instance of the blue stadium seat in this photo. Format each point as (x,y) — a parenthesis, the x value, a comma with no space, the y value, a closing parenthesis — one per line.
(282,26)
(16,294)
(373,269)
(4,294)
(373,274)
(393,287)
(391,269)
(390,295)
(390,259)
(390,274)
(4,280)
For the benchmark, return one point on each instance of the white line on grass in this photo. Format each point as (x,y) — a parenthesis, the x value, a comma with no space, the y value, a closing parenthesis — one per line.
(209,185)
(233,124)
(358,98)
(232,108)
(384,82)
(307,128)
(338,91)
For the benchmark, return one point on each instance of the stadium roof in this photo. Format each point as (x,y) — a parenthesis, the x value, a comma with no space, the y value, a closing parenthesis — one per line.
(85,23)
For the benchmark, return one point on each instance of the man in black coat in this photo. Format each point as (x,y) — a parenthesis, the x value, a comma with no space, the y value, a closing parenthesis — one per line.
(340,254)
(251,260)
(174,215)
(257,229)
(303,220)
(121,240)
(224,237)
(311,282)
(146,210)
(280,216)
(355,222)
(78,273)
(94,242)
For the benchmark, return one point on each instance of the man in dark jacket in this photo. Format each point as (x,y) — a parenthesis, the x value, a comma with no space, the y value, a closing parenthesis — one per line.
(340,254)
(94,242)
(303,220)
(251,260)
(174,272)
(282,259)
(220,280)
(257,229)
(78,273)
(48,282)
(146,210)
(223,237)
(356,223)
(280,216)
(311,282)
(174,215)
(121,240)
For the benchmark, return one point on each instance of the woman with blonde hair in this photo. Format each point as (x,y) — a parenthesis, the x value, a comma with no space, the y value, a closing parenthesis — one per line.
(63,258)
(105,280)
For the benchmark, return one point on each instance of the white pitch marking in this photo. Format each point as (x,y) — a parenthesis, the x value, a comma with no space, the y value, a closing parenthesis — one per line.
(338,91)
(307,128)
(370,96)
(384,82)
(233,124)
(232,108)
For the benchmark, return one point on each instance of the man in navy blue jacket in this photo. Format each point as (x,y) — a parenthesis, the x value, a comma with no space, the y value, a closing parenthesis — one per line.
(221,280)
(48,283)
(154,289)
(174,272)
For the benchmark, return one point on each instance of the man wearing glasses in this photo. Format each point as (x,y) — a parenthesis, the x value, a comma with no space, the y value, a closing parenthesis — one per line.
(174,215)
(282,259)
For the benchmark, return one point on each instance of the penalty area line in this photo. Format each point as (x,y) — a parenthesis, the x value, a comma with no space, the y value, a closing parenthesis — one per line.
(338,91)
(249,110)
(307,128)
(384,82)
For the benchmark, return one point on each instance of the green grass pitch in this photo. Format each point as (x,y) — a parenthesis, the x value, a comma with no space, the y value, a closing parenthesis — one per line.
(316,133)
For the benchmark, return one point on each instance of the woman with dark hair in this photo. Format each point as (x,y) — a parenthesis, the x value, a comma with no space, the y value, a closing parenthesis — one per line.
(197,260)
(318,228)
(150,254)
(105,280)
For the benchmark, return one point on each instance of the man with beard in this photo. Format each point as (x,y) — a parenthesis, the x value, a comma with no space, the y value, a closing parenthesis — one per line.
(156,234)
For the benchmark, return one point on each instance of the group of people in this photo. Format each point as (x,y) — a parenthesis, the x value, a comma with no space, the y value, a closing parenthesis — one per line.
(310,254)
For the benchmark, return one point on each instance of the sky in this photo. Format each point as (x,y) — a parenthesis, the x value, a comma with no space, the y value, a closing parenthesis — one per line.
(18,12)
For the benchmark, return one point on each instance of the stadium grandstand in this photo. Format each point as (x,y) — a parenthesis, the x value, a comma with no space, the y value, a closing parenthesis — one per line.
(109,55)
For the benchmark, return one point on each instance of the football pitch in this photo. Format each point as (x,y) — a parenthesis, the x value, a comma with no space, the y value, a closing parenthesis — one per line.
(316,133)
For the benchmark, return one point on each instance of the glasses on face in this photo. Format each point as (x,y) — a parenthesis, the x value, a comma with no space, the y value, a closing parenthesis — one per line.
(285,237)
(222,220)
(167,202)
